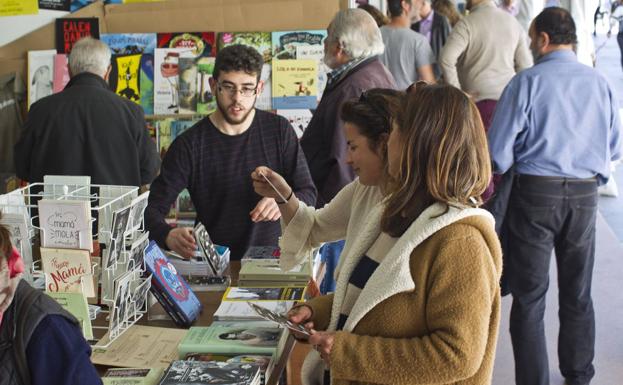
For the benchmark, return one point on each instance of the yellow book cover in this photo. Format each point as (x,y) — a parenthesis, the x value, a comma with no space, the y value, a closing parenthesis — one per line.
(295,84)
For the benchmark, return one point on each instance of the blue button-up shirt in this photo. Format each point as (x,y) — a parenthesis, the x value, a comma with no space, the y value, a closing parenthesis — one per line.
(558,118)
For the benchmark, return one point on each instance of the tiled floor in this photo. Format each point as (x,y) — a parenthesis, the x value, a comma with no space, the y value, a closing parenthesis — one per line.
(607,278)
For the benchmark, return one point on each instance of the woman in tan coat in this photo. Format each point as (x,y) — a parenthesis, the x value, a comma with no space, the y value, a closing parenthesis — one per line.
(417,298)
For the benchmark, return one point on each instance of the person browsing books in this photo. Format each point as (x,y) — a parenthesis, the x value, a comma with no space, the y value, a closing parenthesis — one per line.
(213,160)
(40,343)
(87,129)
(367,121)
(417,297)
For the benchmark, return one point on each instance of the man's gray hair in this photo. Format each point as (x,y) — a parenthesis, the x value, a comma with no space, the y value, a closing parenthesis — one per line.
(357,33)
(89,55)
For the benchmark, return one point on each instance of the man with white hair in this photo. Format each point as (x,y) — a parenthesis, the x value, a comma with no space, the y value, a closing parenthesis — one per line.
(87,129)
(351,51)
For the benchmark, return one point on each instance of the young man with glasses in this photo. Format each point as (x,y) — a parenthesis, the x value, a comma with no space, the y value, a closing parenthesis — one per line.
(214,160)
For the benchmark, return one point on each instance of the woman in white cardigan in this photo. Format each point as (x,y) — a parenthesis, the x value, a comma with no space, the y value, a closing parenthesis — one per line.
(367,123)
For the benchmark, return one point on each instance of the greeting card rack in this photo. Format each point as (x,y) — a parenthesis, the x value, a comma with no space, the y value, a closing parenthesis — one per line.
(121,276)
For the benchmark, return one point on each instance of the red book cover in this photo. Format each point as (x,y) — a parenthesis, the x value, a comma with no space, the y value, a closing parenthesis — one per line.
(201,43)
(70,30)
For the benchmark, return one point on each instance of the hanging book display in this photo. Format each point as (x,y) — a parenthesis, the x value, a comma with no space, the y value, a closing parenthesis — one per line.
(70,30)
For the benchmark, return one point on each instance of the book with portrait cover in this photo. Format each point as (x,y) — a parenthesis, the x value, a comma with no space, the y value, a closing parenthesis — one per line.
(170,288)
(70,30)
(224,339)
(211,372)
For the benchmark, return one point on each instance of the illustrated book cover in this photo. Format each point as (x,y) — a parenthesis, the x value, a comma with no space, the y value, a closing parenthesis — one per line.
(70,30)
(170,288)
(211,372)
(295,84)
(67,270)
(219,339)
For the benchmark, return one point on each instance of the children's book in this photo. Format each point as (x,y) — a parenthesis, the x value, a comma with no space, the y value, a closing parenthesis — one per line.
(166,79)
(132,376)
(67,270)
(170,288)
(65,224)
(61,72)
(206,102)
(76,304)
(40,74)
(219,339)
(142,44)
(261,41)
(286,43)
(295,84)
(199,43)
(299,119)
(211,372)
(188,75)
(70,30)
(125,76)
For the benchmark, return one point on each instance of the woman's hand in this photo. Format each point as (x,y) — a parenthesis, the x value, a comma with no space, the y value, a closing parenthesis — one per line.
(300,315)
(323,343)
(263,188)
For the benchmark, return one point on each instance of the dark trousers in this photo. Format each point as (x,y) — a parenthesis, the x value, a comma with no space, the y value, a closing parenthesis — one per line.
(545,214)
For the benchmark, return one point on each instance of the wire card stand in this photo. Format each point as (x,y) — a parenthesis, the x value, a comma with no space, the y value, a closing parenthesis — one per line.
(116,224)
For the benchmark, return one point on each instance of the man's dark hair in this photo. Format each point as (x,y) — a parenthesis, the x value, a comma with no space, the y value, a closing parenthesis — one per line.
(238,58)
(558,24)
(395,7)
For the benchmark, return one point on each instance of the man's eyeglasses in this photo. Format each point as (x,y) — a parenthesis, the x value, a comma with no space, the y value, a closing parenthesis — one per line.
(231,90)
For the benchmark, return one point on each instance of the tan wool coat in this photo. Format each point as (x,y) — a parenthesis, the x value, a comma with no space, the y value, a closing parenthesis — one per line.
(430,312)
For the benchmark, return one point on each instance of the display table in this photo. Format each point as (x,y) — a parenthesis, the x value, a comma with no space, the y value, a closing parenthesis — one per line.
(293,354)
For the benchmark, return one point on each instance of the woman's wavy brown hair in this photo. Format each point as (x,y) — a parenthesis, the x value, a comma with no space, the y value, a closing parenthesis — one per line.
(444,156)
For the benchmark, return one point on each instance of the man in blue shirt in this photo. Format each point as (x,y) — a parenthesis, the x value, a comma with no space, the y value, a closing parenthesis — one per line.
(557,125)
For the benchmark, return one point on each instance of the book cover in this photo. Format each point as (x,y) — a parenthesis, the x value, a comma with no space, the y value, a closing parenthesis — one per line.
(65,224)
(61,72)
(313,52)
(166,80)
(125,76)
(241,311)
(295,84)
(206,102)
(70,30)
(40,74)
(142,44)
(299,119)
(218,339)
(211,372)
(54,5)
(132,376)
(169,284)
(76,304)
(261,41)
(188,75)
(265,362)
(286,43)
(199,43)
(270,270)
(67,270)
(235,293)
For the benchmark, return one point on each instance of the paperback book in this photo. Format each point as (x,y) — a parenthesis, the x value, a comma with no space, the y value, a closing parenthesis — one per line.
(241,311)
(142,44)
(235,293)
(76,304)
(40,74)
(261,252)
(132,376)
(295,84)
(267,270)
(170,288)
(218,339)
(199,43)
(70,30)
(211,372)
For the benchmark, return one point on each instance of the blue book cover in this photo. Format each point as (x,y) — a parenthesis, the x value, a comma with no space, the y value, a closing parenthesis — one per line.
(171,287)
(144,44)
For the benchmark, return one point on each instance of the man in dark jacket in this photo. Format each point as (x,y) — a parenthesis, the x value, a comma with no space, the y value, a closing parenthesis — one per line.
(434,26)
(87,129)
(351,48)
